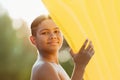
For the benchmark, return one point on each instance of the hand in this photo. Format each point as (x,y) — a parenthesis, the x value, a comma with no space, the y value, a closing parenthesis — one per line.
(84,55)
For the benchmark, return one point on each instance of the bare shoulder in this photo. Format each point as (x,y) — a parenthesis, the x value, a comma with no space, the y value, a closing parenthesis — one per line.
(44,71)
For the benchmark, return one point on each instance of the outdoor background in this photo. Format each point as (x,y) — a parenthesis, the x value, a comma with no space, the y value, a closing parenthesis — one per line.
(17,54)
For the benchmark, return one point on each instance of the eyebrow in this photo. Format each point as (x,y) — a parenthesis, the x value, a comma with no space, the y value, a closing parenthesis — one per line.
(48,29)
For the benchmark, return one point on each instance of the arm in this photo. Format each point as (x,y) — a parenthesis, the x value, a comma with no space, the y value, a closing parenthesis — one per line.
(78,73)
(81,60)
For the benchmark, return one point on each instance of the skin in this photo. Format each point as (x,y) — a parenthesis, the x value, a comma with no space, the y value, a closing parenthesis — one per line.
(48,41)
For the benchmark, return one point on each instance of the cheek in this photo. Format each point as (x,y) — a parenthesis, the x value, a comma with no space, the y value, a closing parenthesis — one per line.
(61,39)
(41,41)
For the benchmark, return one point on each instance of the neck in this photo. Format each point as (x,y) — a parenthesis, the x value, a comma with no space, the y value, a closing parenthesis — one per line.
(49,57)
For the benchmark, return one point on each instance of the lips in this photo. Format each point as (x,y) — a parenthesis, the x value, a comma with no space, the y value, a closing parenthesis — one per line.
(53,43)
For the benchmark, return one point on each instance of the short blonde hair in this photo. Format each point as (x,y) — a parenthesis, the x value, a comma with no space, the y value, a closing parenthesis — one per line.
(36,22)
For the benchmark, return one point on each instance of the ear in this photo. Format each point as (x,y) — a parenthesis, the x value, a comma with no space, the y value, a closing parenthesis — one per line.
(33,40)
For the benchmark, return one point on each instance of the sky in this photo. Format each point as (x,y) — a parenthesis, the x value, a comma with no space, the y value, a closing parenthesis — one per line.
(24,9)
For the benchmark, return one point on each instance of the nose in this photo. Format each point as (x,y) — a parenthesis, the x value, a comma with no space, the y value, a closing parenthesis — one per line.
(53,36)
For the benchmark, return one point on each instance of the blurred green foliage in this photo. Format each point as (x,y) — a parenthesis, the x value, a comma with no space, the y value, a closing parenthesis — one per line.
(17,55)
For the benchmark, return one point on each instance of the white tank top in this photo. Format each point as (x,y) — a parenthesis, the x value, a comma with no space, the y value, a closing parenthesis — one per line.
(63,75)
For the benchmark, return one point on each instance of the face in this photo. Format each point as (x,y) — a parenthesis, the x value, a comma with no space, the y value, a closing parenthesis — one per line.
(48,36)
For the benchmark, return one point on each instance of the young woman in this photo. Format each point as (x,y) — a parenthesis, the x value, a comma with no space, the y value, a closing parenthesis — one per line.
(47,38)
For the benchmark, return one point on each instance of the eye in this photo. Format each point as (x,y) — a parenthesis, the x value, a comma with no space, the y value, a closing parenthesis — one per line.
(45,33)
(56,31)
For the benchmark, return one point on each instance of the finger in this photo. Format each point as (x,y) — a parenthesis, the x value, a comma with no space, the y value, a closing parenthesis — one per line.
(91,52)
(91,49)
(89,46)
(84,45)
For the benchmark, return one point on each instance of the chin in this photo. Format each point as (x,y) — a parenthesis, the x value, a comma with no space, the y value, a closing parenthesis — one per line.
(54,48)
